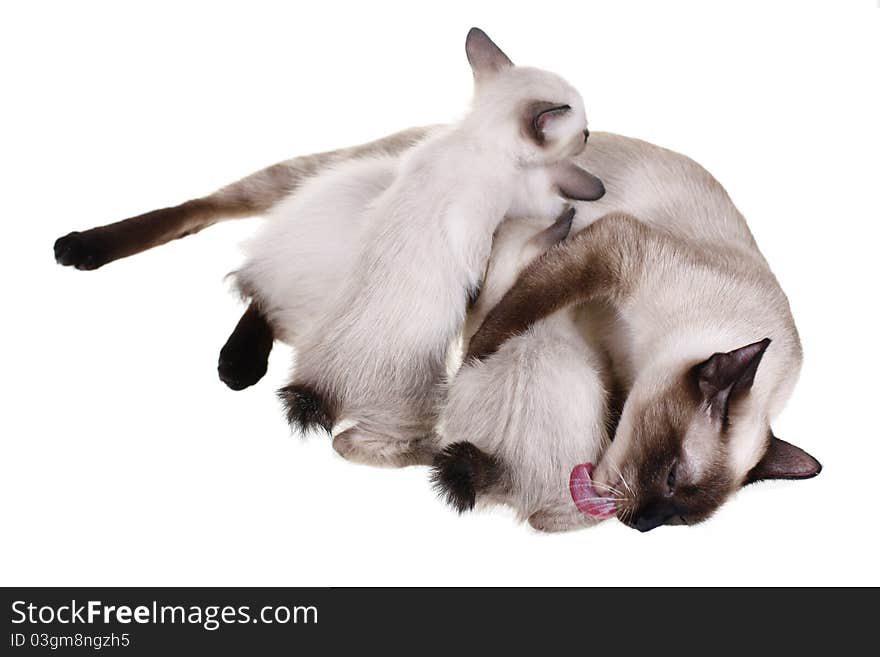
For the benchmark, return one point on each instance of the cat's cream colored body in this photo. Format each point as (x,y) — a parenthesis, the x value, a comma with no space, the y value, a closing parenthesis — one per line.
(683,313)
(673,278)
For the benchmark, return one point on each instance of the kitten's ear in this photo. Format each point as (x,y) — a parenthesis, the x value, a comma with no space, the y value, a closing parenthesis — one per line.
(783,460)
(540,115)
(725,375)
(577,184)
(485,58)
(556,232)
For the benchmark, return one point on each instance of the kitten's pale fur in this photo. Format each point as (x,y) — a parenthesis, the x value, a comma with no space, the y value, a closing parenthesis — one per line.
(532,410)
(382,279)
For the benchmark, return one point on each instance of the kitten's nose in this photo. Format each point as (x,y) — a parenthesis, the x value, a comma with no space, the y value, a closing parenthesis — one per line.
(586,135)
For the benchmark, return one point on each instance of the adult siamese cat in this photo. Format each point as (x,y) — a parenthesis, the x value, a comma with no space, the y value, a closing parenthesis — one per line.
(698,330)
(513,425)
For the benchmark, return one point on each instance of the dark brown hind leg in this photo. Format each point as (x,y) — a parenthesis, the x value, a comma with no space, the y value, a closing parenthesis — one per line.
(256,193)
(245,356)
(252,195)
(94,248)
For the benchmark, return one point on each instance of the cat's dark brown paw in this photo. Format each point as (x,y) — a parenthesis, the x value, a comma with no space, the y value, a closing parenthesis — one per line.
(81,250)
(240,367)
(244,358)
(306,409)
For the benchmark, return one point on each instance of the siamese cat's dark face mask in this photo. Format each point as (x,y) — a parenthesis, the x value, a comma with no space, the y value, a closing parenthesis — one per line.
(675,465)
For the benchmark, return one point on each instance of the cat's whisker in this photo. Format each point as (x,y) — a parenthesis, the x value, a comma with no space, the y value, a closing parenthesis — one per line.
(595,484)
(623,479)
(611,489)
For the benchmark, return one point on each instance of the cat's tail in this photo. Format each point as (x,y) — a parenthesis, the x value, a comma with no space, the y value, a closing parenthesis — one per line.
(307,409)
(461,471)
(252,195)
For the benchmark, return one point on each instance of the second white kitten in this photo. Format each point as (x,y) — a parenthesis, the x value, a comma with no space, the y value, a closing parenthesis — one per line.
(513,424)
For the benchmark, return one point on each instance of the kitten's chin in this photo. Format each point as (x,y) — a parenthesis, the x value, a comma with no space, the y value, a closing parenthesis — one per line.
(578,146)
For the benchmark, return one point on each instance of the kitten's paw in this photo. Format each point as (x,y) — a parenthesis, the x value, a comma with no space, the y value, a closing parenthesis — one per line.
(369,449)
(306,409)
(84,251)
(244,358)
(555,521)
(461,471)
(240,367)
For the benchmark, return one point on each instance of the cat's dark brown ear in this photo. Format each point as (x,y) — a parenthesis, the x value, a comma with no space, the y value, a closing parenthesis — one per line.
(556,232)
(725,375)
(486,59)
(577,184)
(783,460)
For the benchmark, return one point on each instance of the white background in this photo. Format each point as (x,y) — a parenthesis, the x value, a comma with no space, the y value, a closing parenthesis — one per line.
(124,459)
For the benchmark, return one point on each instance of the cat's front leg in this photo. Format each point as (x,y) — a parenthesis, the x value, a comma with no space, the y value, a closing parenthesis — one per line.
(244,358)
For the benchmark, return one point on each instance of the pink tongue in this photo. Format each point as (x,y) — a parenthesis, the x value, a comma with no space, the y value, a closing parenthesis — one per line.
(584,495)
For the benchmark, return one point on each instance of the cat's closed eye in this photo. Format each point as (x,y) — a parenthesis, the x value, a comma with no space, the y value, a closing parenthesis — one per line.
(671,479)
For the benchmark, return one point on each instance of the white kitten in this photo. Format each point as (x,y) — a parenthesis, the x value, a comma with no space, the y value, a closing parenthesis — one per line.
(312,240)
(383,282)
(513,424)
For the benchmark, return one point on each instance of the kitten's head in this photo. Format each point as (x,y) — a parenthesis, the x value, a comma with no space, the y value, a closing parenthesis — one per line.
(686,443)
(536,111)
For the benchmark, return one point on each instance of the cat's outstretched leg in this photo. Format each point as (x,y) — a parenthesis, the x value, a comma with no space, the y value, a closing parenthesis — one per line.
(369,448)
(252,195)
(94,248)
(245,356)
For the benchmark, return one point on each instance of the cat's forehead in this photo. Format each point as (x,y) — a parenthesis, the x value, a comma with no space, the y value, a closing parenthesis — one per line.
(538,85)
